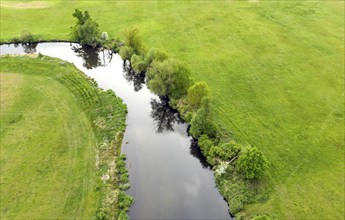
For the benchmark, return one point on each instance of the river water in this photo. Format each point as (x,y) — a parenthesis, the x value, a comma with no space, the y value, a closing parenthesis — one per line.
(169,177)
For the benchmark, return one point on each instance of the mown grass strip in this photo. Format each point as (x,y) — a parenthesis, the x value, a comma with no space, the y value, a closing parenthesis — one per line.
(60,135)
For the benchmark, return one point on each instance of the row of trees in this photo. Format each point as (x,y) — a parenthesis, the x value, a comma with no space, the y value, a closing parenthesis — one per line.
(169,78)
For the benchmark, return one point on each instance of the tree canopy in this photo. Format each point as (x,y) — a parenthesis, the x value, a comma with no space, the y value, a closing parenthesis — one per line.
(197,92)
(252,163)
(86,31)
(169,78)
(133,44)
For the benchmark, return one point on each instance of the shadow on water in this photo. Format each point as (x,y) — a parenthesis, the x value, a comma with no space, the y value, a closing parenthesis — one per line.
(130,75)
(91,56)
(163,115)
(28,47)
(173,182)
(196,152)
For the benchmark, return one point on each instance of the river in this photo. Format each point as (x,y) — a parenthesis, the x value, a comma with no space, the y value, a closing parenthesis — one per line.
(169,177)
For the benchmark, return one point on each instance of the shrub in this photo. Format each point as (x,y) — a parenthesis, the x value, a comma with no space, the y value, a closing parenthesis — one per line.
(126,52)
(205,144)
(235,193)
(140,64)
(25,37)
(86,31)
(133,44)
(125,201)
(124,187)
(154,55)
(137,63)
(261,217)
(124,178)
(224,152)
(196,93)
(252,163)
(201,124)
(123,216)
(169,78)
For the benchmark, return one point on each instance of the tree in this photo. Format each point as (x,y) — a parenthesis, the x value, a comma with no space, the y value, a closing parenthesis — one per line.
(141,63)
(133,44)
(224,152)
(197,92)
(202,124)
(252,163)
(86,31)
(168,78)
(138,64)
(205,144)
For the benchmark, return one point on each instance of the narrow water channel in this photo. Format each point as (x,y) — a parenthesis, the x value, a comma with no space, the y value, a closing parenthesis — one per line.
(169,177)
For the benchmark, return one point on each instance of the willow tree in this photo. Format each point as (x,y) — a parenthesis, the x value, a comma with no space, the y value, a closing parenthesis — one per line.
(86,31)
(169,78)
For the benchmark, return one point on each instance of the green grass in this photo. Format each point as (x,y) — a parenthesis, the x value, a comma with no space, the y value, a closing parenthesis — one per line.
(276,70)
(49,143)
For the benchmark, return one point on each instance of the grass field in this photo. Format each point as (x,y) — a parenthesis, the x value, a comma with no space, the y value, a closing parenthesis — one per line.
(276,70)
(48,142)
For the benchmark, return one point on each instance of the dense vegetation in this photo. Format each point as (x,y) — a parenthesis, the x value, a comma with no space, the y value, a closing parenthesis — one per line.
(55,126)
(170,79)
(275,70)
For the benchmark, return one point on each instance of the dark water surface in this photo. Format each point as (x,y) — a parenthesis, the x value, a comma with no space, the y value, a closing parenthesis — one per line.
(169,177)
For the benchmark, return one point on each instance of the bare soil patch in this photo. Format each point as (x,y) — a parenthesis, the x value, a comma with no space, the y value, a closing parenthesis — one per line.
(24,5)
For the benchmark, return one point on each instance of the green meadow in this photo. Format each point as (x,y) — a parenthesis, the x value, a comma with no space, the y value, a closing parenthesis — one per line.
(275,68)
(49,143)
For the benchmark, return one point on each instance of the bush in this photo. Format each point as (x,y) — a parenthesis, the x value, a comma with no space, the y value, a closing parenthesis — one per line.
(124,187)
(125,201)
(224,152)
(133,44)
(235,193)
(25,37)
(140,64)
(196,93)
(201,124)
(137,63)
(121,165)
(168,78)
(124,178)
(205,144)
(261,217)
(126,52)
(86,31)
(252,163)
(123,216)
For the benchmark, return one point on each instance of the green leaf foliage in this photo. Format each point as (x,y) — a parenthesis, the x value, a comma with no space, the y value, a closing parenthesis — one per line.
(169,78)
(125,201)
(224,152)
(261,217)
(138,64)
(252,163)
(205,144)
(126,52)
(201,124)
(197,92)
(122,216)
(86,31)
(133,40)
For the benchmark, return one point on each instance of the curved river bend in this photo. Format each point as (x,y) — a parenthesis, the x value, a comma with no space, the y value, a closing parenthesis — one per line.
(169,177)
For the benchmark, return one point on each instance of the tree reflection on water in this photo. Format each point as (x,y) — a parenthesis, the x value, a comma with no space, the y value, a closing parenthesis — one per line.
(196,152)
(28,47)
(91,56)
(163,115)
(130,75)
